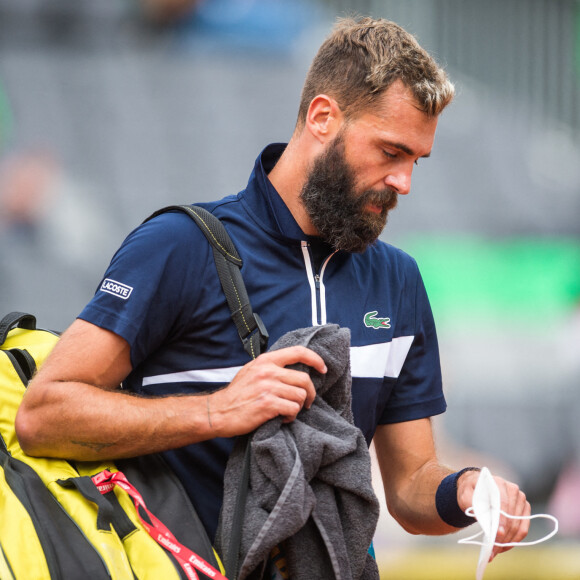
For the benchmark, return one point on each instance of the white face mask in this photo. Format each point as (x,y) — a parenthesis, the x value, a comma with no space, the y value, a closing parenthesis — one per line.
(486,510)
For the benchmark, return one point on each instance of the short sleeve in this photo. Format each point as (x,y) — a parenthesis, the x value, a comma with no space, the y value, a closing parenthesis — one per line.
(418,391)
(141,297)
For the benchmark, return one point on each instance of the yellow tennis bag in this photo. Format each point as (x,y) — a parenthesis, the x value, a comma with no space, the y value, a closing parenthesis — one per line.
(78,520)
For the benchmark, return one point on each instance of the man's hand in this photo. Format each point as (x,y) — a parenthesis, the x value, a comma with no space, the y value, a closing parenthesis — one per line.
(513,502)
(264,389)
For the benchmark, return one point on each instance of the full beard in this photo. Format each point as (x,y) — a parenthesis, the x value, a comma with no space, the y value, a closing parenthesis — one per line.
(334,207)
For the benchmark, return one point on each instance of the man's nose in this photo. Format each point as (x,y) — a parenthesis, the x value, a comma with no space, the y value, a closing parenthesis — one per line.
(400,180)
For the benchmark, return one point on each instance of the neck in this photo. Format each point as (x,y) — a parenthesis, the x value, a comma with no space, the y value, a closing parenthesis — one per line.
(288,177)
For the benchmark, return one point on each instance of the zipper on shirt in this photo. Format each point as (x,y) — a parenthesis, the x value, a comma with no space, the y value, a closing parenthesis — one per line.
(317,288)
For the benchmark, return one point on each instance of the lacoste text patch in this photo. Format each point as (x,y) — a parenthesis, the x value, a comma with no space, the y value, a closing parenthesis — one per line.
(116,288)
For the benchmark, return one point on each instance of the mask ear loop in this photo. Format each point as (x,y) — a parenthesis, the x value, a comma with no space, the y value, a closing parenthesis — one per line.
(470,539)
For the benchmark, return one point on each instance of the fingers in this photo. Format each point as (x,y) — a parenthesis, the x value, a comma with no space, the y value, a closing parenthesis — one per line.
(294,355)
(297,354)
(295,386)
(514,503)
(265,388)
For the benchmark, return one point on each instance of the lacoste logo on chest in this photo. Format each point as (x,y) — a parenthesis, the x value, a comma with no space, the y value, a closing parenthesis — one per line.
(371,321)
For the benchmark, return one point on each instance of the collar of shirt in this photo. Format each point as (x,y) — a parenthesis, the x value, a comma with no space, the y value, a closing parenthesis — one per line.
(265,202)
(269,207)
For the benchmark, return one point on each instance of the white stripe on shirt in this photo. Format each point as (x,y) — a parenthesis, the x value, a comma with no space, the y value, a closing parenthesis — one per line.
(385,359)
(224,375)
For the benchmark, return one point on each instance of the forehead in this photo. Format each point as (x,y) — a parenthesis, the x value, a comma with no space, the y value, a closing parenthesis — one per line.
(396,117)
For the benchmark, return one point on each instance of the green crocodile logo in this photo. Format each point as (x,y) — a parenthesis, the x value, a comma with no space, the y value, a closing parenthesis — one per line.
(372,322)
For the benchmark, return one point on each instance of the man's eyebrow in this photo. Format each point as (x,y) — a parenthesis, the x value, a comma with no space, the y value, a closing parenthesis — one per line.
(406,149)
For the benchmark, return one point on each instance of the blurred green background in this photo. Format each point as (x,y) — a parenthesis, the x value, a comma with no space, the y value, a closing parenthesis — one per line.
(530,280)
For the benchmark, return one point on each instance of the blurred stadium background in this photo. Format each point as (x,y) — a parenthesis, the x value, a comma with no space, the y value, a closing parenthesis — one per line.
(111,109)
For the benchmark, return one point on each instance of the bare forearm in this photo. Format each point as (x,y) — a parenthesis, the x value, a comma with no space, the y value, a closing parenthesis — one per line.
(413,505)
(87,423)
(411,475)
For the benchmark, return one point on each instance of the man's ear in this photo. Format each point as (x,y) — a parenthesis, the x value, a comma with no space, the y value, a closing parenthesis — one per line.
(324,118)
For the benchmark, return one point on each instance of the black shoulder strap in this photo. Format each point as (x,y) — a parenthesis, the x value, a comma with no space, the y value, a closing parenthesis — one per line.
(251,329)
(16,320)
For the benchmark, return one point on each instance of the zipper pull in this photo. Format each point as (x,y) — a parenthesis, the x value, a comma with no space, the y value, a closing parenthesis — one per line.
(317,281)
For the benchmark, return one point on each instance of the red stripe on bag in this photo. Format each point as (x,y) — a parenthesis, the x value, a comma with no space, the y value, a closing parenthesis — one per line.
(188,560)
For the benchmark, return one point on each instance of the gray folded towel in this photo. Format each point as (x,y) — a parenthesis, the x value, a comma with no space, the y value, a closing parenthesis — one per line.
(310,480)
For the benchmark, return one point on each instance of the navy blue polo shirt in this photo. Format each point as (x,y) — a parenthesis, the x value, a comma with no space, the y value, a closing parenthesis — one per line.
(162,294)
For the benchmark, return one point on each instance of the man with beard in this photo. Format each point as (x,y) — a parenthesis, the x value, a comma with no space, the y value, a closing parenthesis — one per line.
(306,226)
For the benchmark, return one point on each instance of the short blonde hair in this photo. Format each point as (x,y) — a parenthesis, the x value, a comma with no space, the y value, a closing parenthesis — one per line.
(362,57)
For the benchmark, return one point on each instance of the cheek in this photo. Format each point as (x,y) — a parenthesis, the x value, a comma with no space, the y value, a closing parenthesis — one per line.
(368,164)
(371,178)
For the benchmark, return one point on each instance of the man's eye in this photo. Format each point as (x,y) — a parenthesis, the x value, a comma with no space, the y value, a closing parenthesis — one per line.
(389,155)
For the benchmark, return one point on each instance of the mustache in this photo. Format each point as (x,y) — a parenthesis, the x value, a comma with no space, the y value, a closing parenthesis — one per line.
(386,198)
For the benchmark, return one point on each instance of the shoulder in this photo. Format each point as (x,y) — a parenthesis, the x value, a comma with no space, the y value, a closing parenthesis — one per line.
(384,256)
(168,228)
(168,247)
(170,235)
(228,210)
